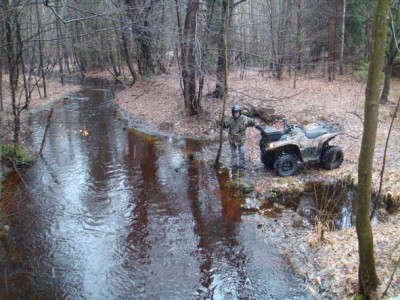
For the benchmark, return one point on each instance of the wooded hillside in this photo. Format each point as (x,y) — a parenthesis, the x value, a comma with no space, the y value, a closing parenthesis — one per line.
(138,39)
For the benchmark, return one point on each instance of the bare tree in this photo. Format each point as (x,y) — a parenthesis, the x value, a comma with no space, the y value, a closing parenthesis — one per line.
(392,50)
(41,62)
(368,278)
(189,64)
(298,35)
(225,12)
(219,88)
(342,37)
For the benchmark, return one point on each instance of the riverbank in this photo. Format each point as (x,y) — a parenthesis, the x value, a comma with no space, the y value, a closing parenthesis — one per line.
(329,266)
(55,91)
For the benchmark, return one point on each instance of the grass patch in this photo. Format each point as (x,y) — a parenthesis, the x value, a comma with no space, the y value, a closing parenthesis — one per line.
(16,156)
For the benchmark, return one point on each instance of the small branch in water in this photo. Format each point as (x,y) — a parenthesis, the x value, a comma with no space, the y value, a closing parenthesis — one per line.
(45,132)
(5,281)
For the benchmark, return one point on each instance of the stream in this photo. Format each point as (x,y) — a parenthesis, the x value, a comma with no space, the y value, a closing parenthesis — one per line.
(110,213)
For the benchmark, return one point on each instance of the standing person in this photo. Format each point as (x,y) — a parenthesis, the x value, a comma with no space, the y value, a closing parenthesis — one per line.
(237,125)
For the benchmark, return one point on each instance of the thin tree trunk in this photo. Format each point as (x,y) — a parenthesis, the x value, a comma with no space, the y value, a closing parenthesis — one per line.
(283,25)
(225,48)
(331,41)
(127,53)
(204,50)
(368,278)
(112,59)
(386,146)
(342,39)
(390,55)
(2,36)
(298,37)
(1,81)
(59,41)
(273,43)
(12,64)
(219,89)
(140,13)
(41,62)
(189,67)
(21,61)
(388,77)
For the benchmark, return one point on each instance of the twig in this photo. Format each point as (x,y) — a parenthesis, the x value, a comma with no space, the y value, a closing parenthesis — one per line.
(273,99)
(45,132)
(386,146)
(5,281)
(357,115)
(394,271)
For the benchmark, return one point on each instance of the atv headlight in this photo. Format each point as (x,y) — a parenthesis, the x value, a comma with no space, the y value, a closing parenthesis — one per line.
(271,145)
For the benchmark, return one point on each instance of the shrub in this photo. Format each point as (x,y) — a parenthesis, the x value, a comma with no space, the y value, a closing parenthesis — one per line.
(16,157)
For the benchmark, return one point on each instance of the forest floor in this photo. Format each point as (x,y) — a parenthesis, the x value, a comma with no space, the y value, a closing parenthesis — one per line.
(329,266)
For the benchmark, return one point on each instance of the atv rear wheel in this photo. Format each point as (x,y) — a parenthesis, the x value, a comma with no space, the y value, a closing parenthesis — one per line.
(332,157)
(285,165)
(268,159)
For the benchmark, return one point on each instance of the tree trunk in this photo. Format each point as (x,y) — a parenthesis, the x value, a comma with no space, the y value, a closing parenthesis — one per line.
(80,57)
(368,278)
(112,60)
(298,36)
(126,50)
(41,62)
(140,14)
(342,39)
(388,78)
(219,88)
(332,28)
(1,78)
(391,54)
(282,31)
(273,44)
(13,65)
(225,96)
(59,41)
(189,67)
(210,14)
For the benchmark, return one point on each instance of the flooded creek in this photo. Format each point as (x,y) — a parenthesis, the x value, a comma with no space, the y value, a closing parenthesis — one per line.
(110,213)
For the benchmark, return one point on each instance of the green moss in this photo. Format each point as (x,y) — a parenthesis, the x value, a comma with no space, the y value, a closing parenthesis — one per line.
(18,156)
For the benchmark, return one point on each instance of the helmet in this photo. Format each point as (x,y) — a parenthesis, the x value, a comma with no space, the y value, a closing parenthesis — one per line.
(236,108)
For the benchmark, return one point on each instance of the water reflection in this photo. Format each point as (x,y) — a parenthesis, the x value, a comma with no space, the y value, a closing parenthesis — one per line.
(114,214)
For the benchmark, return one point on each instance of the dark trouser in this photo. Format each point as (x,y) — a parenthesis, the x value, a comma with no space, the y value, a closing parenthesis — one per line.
(234,155)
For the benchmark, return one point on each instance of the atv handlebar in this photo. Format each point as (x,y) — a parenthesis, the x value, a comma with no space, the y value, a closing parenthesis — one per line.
(287,128)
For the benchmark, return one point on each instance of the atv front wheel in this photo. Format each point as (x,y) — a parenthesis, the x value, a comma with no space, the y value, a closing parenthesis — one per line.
(268,159)
(285,165)
(332,157)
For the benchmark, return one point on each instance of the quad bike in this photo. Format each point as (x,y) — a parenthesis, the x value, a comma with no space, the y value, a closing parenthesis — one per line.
(283,150)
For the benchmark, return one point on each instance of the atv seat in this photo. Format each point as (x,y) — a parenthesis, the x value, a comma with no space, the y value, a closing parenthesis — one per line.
(315,132)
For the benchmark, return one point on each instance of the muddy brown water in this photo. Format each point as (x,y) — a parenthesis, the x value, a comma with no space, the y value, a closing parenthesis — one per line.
(110,213)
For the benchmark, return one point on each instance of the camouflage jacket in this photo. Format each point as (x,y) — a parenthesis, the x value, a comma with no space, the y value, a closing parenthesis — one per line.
(237,128)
